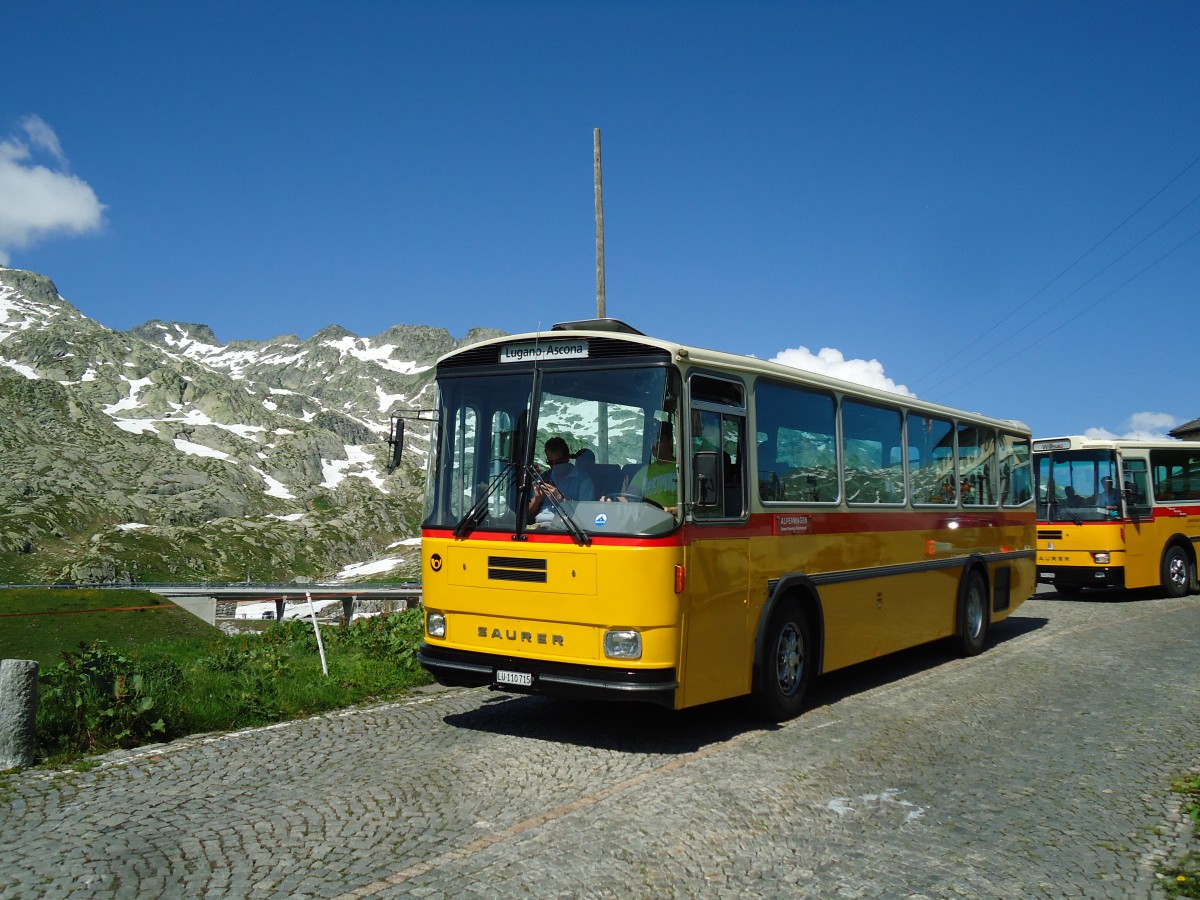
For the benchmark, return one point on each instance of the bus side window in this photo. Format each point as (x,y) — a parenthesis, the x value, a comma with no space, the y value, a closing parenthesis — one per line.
(719,463)
(734,459)
(931,473)
(1134,480)
(1016,480)
(798,462)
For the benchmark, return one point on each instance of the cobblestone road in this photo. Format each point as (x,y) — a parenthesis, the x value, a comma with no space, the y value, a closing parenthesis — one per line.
(1039,769)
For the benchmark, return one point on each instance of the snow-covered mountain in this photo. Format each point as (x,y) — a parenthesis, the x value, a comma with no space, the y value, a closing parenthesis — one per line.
(161,454)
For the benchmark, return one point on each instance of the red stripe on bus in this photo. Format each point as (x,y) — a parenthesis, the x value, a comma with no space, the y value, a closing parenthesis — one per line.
(531,537)
(780,524)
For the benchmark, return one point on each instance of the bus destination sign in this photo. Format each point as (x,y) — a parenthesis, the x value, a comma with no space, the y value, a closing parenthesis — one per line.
(540,351)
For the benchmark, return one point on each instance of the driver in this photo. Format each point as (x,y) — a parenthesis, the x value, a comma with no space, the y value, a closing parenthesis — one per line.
(562,481)
(1107,495)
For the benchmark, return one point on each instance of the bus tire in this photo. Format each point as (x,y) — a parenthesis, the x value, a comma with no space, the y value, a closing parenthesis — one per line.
(787,663)
(972,614)
(1176,571)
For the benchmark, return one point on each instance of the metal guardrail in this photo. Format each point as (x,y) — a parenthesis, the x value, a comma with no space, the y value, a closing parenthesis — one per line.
(407,588)
(201,598)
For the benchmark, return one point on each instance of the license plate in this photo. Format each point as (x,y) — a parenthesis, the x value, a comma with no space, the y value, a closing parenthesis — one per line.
(521,679)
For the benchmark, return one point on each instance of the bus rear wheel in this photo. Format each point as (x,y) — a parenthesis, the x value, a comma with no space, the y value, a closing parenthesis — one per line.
(972,614)
(787,663)
(1176,572)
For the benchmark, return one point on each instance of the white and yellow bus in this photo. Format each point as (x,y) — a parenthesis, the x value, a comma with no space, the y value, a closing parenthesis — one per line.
(1115,513)
(743,526)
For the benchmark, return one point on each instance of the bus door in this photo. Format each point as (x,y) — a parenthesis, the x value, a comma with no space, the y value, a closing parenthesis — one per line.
(1142,547)
(717,638)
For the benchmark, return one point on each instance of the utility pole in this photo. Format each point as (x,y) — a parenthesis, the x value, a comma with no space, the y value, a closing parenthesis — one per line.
(600,314)
(602,437)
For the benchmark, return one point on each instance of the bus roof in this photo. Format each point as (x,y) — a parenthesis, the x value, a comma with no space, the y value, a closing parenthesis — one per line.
(732,362)
(1083,442)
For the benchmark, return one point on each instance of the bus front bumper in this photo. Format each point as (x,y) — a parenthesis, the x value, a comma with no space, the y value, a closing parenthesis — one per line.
(1083,576)
(459,668)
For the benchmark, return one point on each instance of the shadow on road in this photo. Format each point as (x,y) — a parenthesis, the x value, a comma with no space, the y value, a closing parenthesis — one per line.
(643,728)
(624,727)
(1100,595)
(876,673)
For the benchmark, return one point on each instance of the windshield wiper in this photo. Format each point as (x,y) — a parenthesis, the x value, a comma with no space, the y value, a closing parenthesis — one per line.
(1054,501)
(478,511)
(581,537)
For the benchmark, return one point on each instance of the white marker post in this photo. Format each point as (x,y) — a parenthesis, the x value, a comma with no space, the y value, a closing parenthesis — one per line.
(312,611)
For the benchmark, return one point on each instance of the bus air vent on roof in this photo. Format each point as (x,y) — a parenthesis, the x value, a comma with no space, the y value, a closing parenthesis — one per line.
(596,325)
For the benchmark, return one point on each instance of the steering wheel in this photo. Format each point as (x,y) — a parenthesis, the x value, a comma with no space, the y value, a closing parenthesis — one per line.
(635,498)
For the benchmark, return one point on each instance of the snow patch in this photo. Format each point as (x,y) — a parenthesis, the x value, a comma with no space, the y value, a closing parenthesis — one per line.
(370,568)
(192,449)
(21,369)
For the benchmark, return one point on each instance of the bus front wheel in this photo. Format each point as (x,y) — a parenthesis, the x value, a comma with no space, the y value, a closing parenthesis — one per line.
(972,614)
(1176,572)
(787,663)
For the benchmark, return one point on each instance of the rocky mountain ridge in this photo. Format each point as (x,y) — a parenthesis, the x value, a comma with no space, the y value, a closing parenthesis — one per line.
(160,453)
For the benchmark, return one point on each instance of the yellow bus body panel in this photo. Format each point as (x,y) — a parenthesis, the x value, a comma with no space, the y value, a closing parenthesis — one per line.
(586,591)
(718,621)
(1136,545)
(555,601)
(1072,547)
(866,617)
(1146,540)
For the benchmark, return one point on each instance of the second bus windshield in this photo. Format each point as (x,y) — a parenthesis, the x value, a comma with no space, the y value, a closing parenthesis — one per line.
(1078,485)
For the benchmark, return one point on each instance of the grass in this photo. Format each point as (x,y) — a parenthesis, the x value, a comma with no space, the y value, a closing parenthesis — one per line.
(112,674)
(40,623)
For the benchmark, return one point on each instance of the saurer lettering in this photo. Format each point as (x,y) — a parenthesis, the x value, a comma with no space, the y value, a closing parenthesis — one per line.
(523,637)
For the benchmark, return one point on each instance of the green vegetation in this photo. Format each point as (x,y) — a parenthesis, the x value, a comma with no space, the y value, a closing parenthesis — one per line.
(40,623)
(144,675)
(1183,878)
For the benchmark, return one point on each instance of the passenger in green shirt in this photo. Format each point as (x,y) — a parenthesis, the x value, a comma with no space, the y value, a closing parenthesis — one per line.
(659,480)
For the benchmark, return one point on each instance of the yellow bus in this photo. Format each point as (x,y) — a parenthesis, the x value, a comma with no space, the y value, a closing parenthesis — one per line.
(1115,513)
(728,526)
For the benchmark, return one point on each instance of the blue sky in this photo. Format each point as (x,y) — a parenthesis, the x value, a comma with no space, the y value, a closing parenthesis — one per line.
(985,203)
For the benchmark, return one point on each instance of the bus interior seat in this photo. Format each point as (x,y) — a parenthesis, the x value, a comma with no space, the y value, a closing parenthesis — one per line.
(608,478)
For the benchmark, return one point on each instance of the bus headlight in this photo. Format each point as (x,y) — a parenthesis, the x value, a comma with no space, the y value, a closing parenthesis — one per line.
(435,624)
(623,644)
(1100,557)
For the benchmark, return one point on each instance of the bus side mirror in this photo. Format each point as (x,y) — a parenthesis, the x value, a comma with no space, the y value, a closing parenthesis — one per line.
(707,489)
(396,441)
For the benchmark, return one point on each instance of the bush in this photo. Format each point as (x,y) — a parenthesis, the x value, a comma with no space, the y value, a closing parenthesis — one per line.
(96,699)
(388,638)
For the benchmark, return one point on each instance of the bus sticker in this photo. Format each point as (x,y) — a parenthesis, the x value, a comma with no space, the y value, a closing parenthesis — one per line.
(790,524)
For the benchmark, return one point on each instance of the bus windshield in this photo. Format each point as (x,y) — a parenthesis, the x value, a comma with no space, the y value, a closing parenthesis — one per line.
(1078,486)
(602,458)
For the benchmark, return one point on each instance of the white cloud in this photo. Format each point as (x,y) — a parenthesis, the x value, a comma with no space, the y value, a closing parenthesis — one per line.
(1152,421)
(39,200)
(42,135)
(1141,426)
(831,362)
